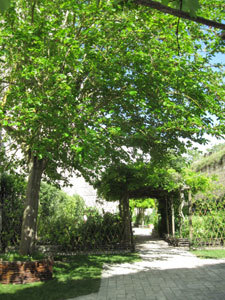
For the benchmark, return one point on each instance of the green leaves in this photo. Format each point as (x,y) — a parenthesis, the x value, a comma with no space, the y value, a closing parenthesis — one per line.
(76,76)
(191,6)
(4,4)
(165,2)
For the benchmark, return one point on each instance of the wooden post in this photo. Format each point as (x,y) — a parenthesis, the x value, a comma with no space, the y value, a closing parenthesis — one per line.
(172,218)
(190,215)
(167,218)
(131,233)
(0,224)
(1,200)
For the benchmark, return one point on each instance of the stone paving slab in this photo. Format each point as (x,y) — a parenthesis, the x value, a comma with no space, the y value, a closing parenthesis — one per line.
(165,273)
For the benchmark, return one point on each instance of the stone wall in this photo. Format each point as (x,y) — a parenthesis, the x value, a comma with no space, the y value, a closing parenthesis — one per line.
(216,168)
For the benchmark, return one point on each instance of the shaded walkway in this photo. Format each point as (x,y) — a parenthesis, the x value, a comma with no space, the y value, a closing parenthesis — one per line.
(165,273)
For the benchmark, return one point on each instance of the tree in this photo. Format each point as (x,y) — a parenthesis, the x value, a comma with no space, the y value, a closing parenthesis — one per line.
(183,9)
(55,93)
(78,82)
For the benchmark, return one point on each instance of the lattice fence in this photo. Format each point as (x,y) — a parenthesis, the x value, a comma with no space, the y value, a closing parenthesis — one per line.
(202,223)
(207,226)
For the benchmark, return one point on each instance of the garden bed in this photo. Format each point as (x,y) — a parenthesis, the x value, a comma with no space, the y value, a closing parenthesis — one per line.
(18,272)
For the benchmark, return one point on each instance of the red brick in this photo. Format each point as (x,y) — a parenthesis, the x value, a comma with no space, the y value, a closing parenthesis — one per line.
(25,272)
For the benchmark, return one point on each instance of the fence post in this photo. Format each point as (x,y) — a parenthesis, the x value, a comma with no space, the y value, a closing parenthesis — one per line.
(190,215)
(131,233)
(172,216)
(167,218)
(0,223)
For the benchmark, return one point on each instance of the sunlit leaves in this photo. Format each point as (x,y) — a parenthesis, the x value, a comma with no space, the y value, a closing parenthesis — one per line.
(97,78)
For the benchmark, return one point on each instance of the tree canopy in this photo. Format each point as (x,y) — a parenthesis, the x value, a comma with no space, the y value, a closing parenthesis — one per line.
(71,71)
(80,81)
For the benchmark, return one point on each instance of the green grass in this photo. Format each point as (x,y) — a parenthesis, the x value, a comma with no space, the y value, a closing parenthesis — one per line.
(13,256)
(217,253)
(73,276)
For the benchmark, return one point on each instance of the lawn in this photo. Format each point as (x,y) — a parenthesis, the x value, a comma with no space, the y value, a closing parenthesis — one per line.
(214,253)
(73,276)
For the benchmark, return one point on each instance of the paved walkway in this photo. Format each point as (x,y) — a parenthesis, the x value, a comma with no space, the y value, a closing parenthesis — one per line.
(165,273)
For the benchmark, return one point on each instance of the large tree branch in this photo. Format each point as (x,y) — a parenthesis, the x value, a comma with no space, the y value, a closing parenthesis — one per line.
(179,13)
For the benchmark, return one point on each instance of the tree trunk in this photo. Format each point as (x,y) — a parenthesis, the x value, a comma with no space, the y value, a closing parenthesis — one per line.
(121,209)
(127,221)
(142,213)
(162,226)
(179,13)
(29,226)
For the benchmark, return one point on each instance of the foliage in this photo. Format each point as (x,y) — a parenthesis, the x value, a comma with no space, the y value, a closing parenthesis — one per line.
(12,195)
(207,229)
(99,232)
(75,86)
(198,182)
(119,179)
(61,218)
(192,155)
(56,208)
(191,6)
(67,222)
(141,216)
(83,234)
(153,218)
(73,276)
(142,203)
(154,179)
(4,4)
(59,214)
(215,156)
(97,66)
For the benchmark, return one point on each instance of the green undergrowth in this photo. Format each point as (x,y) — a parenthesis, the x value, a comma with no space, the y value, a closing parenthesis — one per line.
(73,276)
(214,253)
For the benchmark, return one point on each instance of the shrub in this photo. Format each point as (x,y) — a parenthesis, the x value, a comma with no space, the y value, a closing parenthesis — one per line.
(12,196)
(59,215)
(60,221)
(79,228)
(99,232)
